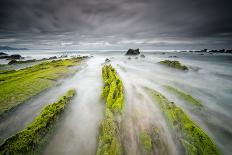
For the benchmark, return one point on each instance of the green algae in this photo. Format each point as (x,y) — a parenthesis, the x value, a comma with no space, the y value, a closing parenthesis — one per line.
(109,139)
(185,96)
(113,89)
(31,139)
(174,64)
(192,138)
(152,141)
(146,141)
(18,86)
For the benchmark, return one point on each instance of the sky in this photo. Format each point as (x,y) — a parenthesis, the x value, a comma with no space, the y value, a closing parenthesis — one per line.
(116,24)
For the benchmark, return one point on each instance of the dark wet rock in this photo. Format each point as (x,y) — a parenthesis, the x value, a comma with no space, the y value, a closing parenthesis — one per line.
(133,52)
(15,56)
(204,50)
(12,62)
(129,58)
(201,54)
(163,53)
(107,60)
(21,62)
(84,57)
(2,53)
(136,57)
(173,56)
(10,57)
(221,51)
(54,57)
(63,56)
(142,56)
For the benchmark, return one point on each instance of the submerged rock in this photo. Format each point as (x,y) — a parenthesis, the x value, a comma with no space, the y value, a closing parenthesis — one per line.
(133,52)
(142,56)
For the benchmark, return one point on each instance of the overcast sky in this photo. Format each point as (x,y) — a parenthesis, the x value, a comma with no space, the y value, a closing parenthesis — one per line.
(116,24)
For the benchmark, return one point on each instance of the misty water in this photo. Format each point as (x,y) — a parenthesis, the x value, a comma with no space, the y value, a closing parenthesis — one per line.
(209,79)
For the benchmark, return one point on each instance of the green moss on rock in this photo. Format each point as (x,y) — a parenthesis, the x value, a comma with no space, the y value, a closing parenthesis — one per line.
(30,140)
(146,141)
(174,64)
(183,95)
(18,86)
(109,139)
(193,139)
(113,89)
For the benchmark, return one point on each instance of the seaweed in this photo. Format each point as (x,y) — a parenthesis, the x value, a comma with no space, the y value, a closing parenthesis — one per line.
(31,139)
(191,137)
(185,96)
(113,89)
(16,87)
(174,64)
(109,139)
(152,141)
(146,141)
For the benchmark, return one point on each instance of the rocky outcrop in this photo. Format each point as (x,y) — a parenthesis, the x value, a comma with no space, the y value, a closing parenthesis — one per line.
(174,64)
(2,53)
(107,60)
(21,62)
(10,57)
(133,52)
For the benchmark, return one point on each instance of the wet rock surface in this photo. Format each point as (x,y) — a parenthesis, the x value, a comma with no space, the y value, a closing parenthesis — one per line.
(133,52)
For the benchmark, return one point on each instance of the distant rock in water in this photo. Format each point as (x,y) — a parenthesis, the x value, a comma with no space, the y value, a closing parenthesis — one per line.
(16,56)
(173,56)
(174,64)
(54,57)
(142,56)
(107,60)
(2,53)
(133,52)
(10,57)
(21,62)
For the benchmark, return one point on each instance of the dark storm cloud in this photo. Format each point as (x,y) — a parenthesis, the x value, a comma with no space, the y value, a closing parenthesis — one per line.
(116,23)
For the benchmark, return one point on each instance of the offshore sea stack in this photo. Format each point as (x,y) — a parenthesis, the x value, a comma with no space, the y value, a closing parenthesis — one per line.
(133,52)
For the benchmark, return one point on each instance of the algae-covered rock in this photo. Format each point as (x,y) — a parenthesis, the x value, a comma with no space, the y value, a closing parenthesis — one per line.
(192,138)
(146,141)
(174,64)
(16,87)
(113,89)
(31,139)
(109,142)
(153,142)
(184,96)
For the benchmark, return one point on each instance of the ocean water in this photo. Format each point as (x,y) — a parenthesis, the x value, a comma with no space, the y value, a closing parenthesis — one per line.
(209,79)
